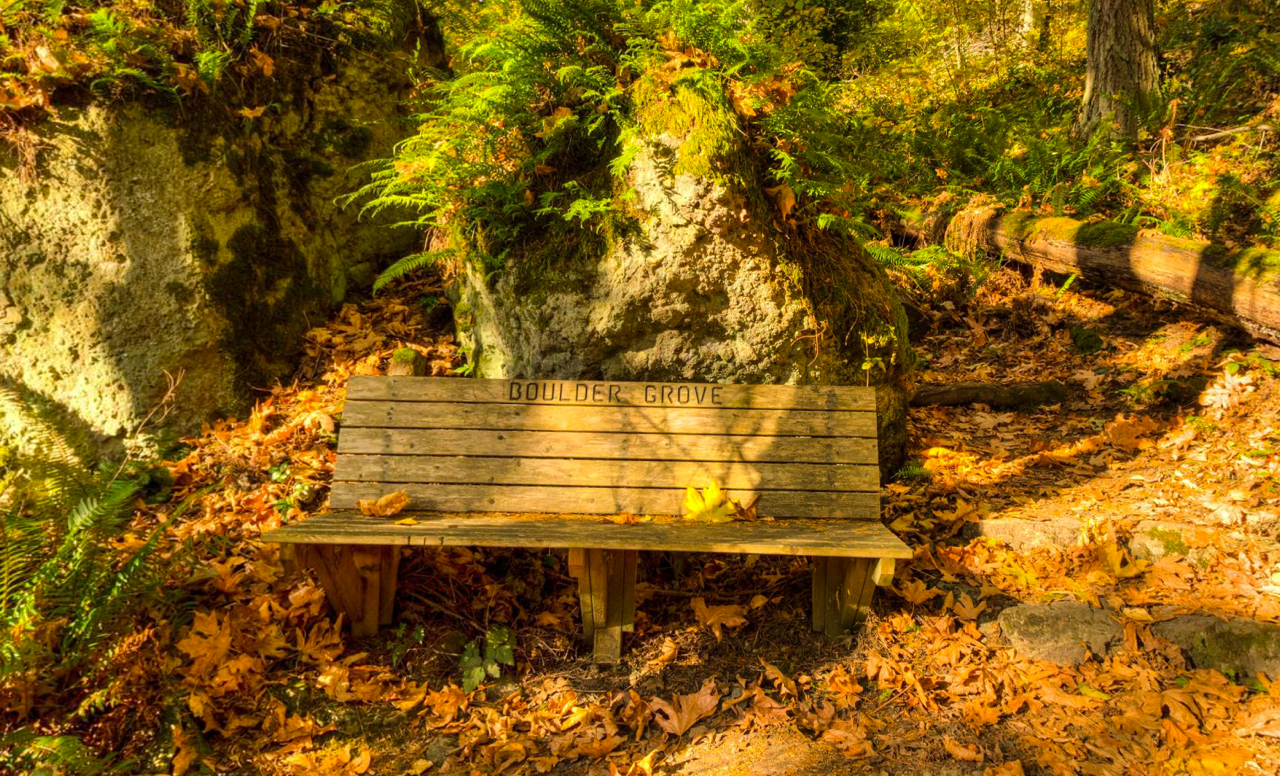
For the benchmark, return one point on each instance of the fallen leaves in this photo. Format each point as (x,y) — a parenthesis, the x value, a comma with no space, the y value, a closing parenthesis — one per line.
(971,753)
(387,506)
(684,711)
(718,617)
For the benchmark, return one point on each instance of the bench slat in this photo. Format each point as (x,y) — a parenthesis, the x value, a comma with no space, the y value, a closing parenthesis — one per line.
(599,501)
(577,472)
(646,447)
(586,392)
(851,539)
(663,421)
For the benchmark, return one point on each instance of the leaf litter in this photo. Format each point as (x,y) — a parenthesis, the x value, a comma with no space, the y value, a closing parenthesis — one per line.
(723,673)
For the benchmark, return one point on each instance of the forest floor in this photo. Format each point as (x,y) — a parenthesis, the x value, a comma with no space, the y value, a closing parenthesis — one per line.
(1152,494)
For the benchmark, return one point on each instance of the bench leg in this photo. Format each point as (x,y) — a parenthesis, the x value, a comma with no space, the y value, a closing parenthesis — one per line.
(842,589)
(358,580)
(607,593)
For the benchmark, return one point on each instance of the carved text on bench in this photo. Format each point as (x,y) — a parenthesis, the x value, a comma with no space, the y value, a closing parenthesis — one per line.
(609,393)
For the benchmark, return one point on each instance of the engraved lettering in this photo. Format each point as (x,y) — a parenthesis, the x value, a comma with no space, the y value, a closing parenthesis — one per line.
(581,392)
(717,396)
(700,393)
(682,394)
(650,394)
(514,391)
(597,393)
(668,392)
(615,394)
(531,392)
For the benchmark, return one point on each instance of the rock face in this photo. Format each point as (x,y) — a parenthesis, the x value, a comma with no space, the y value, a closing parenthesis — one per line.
(150,245)
(705,292)
(1060,632)
(1242,648)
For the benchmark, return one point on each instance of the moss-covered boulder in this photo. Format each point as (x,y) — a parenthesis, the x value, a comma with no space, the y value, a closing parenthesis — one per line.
(153,242)
(708,285)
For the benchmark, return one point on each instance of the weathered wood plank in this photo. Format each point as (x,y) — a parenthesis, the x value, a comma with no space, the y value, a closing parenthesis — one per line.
(856,571)
(612,419)
(367,562)
(883,574)
(390,578)
(819,604)
(734,475)
(600,501)
(581,571)
(836,398)
(630,447)
(833,578)
(629,559)
(842,538)
(861,605)
(608,641)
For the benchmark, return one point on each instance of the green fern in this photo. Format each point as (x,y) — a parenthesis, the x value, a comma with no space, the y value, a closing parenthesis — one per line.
(410,264)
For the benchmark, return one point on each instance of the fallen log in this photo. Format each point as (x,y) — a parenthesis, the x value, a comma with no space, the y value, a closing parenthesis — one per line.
(1242,284)
(992,394)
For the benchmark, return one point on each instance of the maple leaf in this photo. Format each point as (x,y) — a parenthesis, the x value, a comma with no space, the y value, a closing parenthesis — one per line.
(916,592)
(709,506)
(1127,432)
(785,684)
(1117,561)
(971,753)
(685,710)
(1226,392)
(849,737)
(966,609)
(718,617)
(387,506)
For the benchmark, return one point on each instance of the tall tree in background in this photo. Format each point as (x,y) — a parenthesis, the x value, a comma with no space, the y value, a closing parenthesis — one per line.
(1122,80)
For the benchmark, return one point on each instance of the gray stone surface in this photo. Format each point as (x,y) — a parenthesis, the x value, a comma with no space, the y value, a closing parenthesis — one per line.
(1022,534)
(151,241)
(1061,631)
(704,292)
(1242,648)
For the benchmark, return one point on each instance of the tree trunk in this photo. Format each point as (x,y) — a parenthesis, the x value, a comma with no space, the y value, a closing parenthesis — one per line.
(1243,285)
(1122,78)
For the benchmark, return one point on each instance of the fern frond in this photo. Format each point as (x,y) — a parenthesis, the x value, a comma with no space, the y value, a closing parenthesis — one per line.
(410,264)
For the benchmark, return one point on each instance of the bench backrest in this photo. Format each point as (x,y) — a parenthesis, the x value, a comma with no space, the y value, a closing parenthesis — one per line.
(584,447)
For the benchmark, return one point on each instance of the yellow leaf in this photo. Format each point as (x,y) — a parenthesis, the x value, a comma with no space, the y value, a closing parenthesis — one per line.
(916,592)
(966,609)
(252,113)
(407,521)
(387,506)
(785,684)
(1116,560)
(712,505)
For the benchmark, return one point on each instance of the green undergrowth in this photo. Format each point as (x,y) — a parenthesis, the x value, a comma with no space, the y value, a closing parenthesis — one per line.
(951,99)
(551,102)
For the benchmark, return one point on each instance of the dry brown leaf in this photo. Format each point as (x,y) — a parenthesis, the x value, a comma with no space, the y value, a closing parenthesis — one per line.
(1127,433)
(685,710)
(916,592)
(971,753)
(966,609)
(1011,768)
(849,737)
(666,654)
(783,197)
(718,617)
(785,684)
(387,506)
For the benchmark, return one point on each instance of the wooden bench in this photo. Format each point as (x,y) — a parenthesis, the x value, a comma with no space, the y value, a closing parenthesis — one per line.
(536,463)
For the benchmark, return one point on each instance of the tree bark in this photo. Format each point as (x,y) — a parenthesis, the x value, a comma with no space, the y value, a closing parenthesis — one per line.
(1122,77)
(992,394)
(1243,284)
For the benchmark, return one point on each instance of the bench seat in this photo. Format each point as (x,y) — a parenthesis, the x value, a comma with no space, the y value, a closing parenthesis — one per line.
(545,464)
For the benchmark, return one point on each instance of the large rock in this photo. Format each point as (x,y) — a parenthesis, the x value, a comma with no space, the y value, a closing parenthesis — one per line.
(152,243)
(1241,648)
(1062,632)
(705,291)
